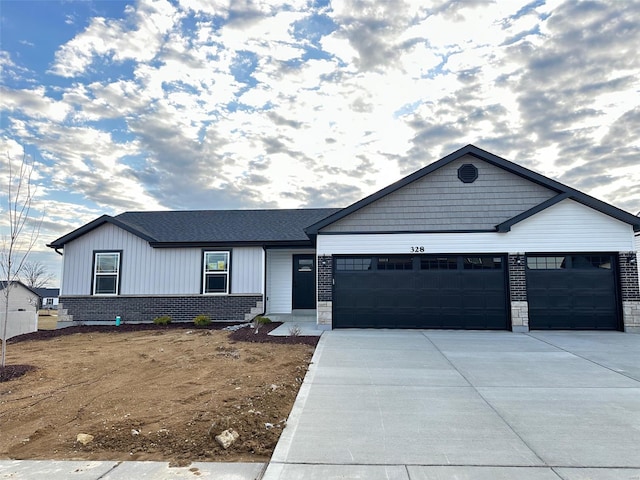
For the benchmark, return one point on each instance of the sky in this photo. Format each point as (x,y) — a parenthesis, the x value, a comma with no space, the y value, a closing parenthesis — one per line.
(225,104)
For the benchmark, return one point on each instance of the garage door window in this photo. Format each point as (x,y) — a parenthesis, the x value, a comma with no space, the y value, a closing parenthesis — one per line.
(546,263)
(353,264)
(591,261)
(438,263)
(482,263)
(581,262)
(395,263)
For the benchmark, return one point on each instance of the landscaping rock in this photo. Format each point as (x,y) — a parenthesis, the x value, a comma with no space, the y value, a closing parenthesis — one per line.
(84,438)
(227,438)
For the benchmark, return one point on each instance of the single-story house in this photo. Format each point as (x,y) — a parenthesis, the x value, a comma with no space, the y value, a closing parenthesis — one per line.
(472,241)
(49,297)
(23,309)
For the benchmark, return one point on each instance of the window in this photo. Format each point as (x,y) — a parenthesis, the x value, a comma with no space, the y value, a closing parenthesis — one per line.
(482,263)
(588,262)
(395,263)
(546,263)
(305,265)
(106,275)
(438,263)
(353,264)
(216,272)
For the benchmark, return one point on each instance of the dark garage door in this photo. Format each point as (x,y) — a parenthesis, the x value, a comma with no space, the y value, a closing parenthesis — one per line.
(572,291)
(420,291)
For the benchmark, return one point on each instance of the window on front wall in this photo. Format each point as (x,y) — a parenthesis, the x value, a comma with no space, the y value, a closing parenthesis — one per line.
(216,272)
(106,274)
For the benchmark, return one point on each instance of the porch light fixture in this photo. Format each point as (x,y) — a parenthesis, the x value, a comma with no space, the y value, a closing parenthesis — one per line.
(631,260)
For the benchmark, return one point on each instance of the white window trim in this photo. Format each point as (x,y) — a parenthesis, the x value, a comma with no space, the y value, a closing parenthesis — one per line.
(216,272)
(97,274)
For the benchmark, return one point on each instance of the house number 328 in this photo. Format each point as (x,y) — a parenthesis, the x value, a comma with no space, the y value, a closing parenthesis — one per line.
(417,249)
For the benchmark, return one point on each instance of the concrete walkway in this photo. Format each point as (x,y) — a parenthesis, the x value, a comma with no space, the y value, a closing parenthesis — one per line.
(436,405)
(417,405)
(108,470)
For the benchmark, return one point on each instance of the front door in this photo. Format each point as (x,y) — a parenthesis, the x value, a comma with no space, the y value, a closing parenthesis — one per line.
(304,282)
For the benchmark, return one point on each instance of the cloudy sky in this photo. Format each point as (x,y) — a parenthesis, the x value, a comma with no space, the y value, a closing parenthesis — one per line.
(218,104)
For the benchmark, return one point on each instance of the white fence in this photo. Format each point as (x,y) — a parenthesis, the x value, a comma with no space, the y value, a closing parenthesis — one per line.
(19,322)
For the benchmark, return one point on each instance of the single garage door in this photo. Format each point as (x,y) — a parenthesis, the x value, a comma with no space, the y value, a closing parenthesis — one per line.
(572,291)
(420,291)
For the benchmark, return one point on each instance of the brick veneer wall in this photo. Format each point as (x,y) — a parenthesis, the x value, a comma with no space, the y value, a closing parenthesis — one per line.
(325,278)
(630,291)
(629,287)
(221,308)
(517,279)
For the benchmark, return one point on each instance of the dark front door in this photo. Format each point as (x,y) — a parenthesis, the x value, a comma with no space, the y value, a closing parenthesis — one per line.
(304,282)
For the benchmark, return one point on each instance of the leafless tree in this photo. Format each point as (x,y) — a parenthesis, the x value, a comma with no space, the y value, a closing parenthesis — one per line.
(35,275)
(23,231)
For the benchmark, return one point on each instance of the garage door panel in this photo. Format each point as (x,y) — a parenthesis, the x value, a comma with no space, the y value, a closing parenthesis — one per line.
(579,293)
(434,293)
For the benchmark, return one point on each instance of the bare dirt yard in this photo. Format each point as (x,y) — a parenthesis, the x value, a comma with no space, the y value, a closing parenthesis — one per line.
(148,393)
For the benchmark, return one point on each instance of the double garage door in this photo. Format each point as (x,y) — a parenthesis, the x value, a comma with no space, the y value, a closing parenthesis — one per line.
(470,291)
(420,291)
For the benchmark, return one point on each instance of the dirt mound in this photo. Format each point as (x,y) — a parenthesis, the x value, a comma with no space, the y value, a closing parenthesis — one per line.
(150,393)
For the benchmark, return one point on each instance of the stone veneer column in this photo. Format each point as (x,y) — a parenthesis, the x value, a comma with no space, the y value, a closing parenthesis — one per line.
(325,292)
(630,291)
(518,293)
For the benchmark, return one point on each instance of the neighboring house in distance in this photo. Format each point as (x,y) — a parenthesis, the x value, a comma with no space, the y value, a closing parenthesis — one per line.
(23,309)
(49,297)
(471,241)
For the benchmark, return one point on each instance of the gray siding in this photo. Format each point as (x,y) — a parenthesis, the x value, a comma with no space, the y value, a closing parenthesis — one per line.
(20,298)
(153,271)
(440,201)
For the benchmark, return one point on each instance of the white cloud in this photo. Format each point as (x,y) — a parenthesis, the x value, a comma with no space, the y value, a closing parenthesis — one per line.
(220,109)
(152,20)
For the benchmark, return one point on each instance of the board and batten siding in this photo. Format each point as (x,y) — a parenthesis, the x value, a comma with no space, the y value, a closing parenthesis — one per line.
(440,201)
(154,271)
(565,227)
(280,279)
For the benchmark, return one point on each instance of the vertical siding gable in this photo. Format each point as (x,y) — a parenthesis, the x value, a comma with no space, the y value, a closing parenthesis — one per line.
(440,201)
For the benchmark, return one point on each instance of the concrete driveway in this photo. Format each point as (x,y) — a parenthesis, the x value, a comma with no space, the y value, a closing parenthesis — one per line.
(418,405)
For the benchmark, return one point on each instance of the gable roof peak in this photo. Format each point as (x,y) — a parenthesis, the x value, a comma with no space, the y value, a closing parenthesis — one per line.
(497,161)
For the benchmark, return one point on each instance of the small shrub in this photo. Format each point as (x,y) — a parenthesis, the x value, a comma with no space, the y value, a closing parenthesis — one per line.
(163,320)
(295,331)
(259,321)
(202,320)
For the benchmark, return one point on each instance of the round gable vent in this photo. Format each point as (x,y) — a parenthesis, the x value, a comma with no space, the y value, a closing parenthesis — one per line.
(468,173)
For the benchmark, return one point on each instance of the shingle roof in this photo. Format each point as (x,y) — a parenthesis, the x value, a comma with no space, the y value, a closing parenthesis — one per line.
(3,285)
(210,227)
(47,292)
